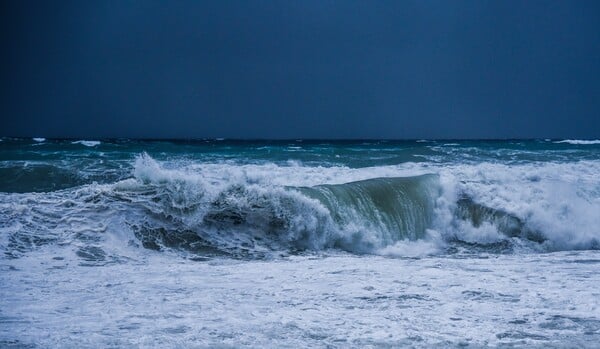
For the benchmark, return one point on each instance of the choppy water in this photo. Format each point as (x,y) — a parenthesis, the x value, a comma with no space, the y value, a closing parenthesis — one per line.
(299,243)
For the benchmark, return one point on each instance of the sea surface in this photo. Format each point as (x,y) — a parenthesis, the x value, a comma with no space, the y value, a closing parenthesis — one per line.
(220,243)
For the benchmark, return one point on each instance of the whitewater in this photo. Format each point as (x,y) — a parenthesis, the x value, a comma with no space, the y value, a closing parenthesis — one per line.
(301,243)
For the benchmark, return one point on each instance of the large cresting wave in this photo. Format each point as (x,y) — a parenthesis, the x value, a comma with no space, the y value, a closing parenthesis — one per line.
(241,214)
(183,209)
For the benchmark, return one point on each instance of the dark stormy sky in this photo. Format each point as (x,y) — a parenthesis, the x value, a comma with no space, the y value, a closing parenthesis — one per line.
(300,69)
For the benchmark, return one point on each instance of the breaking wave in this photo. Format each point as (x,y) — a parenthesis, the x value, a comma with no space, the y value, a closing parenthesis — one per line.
(237,216)
(238,212)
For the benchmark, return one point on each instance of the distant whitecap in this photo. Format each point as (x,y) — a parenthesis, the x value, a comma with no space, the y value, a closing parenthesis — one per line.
(580,141)
(87,143)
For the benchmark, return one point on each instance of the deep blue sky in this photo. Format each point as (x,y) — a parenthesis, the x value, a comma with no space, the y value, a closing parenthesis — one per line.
(301,69)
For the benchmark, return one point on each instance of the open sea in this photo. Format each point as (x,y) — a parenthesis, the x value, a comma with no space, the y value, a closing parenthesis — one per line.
(300,243)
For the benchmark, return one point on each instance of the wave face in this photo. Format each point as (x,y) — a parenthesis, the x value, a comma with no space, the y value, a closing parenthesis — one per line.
(258,210)
(392,209)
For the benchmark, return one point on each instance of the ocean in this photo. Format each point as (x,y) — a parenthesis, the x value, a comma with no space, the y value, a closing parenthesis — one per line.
(216,243)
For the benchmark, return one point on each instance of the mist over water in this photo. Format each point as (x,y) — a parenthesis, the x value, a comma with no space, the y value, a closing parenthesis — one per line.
(69,207)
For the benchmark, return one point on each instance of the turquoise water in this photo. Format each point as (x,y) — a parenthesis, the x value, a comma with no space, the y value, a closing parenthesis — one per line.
(29,165)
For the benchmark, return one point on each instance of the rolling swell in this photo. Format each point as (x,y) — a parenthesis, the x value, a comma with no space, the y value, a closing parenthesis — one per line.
(37,178)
